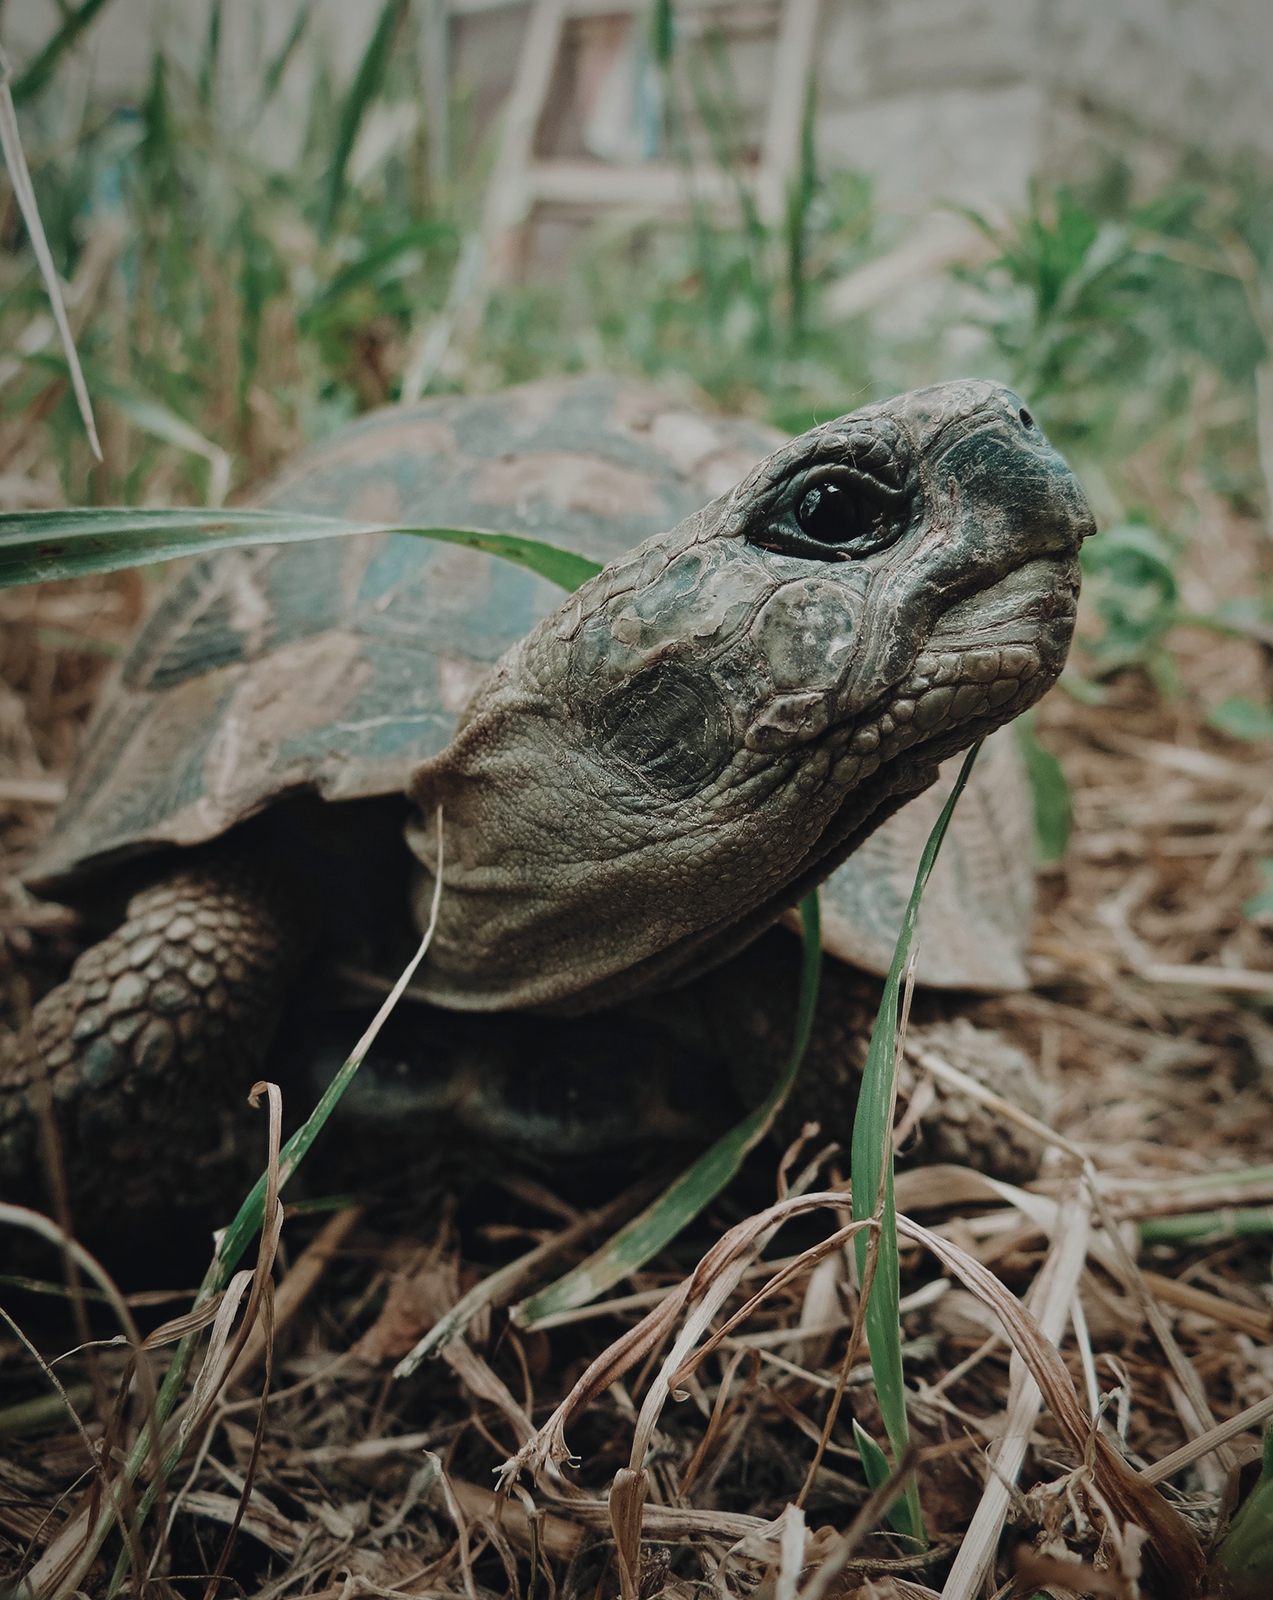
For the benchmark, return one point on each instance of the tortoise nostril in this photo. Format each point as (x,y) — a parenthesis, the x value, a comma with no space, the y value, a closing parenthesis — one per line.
(1027,421)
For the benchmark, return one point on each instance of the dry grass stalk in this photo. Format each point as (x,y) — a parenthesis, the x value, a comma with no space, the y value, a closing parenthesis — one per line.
(1176,1554)
(1234,1428)
(1119,1259)
(1051,1299)
(866,1521)
(301,1279)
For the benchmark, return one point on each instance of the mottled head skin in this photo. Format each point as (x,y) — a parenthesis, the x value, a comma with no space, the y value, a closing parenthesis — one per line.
(707,729)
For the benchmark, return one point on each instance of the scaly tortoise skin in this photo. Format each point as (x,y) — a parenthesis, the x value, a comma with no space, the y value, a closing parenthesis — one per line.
(637,780)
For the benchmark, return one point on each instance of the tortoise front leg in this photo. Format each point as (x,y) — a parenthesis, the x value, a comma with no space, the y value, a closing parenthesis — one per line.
(752,1007)
(149,1047)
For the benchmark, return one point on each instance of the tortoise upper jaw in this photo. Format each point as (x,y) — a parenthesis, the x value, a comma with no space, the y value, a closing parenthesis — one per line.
(997,500)
(989,659)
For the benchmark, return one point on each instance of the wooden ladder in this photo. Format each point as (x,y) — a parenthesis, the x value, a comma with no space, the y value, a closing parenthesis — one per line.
(519,180)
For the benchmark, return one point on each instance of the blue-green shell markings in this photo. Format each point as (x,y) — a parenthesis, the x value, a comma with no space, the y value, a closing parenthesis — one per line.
(339,665)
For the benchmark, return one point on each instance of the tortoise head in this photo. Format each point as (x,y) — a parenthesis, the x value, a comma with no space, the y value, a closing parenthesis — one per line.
(704,731)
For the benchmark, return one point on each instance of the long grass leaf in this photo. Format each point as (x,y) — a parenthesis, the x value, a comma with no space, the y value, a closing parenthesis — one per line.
(43,67)
(365,88)
(211,55)
(37,546)
(419,235)
(872,1167)
(273,74)
(24,193)
(154,418)
(682,1201)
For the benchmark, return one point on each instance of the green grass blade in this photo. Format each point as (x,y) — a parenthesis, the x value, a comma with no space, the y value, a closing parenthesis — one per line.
(1196,1227)
(43,67)
(418,236)
(273,75)
(24,193)
(872,1165)
(152,417)
(37,546)
(1244,1561)
(874,1461)
(1053,809)
(45,1413)
(211,55)
(365,88)
(681,1202)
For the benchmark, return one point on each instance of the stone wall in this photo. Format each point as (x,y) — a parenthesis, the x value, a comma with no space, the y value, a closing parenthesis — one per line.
(963,99)
(937,99)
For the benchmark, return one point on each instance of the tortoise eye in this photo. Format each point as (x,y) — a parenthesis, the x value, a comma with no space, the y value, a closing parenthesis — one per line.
(834,513)
(830,515)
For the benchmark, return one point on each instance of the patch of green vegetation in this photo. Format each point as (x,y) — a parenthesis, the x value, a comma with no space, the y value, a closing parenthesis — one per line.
(1137,333)
(1053,810)
(1260,905)
(259,304)
(1242,1567)
(1242,718)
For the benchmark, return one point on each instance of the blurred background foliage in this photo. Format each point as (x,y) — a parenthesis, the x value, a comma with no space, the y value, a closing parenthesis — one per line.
(228,312)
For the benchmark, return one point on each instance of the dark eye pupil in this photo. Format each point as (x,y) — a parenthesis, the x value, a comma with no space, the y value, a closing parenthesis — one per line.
(826,514)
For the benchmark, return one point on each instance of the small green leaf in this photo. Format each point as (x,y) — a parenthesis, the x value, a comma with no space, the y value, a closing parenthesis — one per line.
(1245,1556)
(1260,906)
(1052,806)
(1131,573)
(1242,718)
(875,1466)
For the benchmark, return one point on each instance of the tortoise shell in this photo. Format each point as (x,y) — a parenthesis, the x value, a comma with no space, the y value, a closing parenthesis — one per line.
(336,666)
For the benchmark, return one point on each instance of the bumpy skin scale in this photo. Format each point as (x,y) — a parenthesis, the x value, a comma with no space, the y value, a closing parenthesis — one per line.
(150,1045)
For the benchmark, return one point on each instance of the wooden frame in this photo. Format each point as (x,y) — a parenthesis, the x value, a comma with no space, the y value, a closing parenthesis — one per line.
(519,181)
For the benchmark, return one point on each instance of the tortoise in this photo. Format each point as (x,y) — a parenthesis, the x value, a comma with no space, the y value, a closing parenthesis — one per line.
(632,783)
